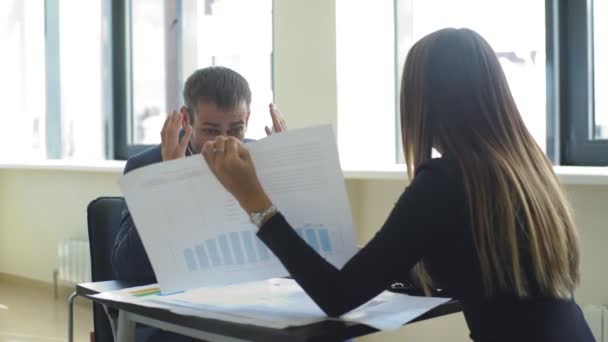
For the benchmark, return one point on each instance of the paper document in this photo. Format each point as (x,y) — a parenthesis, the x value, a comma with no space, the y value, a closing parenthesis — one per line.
(389,310)
(276,303)
(150,296)
(196,234)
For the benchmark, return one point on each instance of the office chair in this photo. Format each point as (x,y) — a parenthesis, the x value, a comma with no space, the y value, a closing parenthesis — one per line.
(103,220)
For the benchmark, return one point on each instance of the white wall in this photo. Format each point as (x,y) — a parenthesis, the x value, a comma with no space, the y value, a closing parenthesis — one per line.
(39,208)
(305,61)
(590,208)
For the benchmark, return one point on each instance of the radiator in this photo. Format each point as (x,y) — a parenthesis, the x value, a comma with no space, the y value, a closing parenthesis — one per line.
(74,261)
(597,318)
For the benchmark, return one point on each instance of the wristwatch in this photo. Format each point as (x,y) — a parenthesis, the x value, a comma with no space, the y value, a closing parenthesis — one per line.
(260,217)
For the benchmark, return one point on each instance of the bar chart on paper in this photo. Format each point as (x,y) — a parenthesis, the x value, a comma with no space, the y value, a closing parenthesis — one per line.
(196,234)
(234,248)
(245,248)
(317,237)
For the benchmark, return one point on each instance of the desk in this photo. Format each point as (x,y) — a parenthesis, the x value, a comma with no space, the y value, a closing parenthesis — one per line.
(217,330)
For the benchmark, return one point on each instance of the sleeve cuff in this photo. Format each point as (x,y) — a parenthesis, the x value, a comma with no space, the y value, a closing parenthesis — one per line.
(270,225)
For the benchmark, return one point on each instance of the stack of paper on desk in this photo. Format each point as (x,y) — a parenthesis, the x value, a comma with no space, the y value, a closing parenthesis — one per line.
(196,234)
(275,303)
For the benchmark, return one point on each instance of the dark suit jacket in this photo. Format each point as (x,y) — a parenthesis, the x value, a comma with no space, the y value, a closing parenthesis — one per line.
(129,259)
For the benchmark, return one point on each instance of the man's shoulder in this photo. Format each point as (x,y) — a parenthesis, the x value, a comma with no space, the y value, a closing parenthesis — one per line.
(150,156)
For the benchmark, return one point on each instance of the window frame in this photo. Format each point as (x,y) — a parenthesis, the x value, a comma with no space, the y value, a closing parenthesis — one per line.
(120,147)
(552,139)
(120,140)
(576,84)
(52,79)
(569,86)
(54,144)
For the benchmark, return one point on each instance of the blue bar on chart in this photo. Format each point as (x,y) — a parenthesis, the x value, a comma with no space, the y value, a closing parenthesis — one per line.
(223,241)
(263,251)
(311,238)
(248,242)
(325,242)
(190,262)
(203,260)
(236,248)
(213,252)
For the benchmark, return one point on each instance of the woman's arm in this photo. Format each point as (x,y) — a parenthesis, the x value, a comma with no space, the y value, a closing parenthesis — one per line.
(409,233)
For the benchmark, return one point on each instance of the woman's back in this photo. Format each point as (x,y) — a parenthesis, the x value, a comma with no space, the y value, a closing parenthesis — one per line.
(453,264)
(488,221)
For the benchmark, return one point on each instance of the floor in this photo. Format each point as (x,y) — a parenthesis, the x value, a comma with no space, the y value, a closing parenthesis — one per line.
(30,313)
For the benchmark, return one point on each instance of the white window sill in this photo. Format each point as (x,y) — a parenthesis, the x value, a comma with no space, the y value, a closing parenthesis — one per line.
(570,175)
(574,175)
(582,175)
(66,165)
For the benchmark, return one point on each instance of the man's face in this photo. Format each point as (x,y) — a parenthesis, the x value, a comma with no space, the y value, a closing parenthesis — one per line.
(211,122)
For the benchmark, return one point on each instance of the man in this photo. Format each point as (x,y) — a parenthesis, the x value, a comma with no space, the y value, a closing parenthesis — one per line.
(217,101)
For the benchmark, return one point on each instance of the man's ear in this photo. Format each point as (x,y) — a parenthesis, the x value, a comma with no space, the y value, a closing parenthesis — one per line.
(186,117)
(247,119)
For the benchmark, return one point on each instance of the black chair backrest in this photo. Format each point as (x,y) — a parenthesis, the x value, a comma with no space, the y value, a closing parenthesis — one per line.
(103,218)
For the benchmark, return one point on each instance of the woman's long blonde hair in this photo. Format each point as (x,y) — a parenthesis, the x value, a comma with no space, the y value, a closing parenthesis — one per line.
(454,95)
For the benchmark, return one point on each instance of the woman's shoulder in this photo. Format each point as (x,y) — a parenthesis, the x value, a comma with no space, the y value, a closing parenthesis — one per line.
(439,176)
(446,166)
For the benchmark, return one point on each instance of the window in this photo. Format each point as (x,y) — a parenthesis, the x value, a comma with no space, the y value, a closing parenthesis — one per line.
(51,84)
(171,39)
(148,70)
(365,75)
(96,79)
(516,31)
(80,74)
(22,85)
(237,34)
(582,81)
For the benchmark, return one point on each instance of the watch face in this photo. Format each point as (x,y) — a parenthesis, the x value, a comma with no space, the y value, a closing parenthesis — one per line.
(256,218)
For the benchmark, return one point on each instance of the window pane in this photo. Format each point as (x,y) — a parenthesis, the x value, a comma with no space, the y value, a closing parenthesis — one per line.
(238,34)
(22,85)
(80,40)
(516,31)
(600,56)
(232,33)
(148,70)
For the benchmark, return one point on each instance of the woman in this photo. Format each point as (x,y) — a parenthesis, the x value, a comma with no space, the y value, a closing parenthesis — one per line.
(487,220)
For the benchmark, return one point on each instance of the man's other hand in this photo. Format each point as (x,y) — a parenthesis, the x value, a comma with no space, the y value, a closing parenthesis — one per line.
(278,123)
(171,145)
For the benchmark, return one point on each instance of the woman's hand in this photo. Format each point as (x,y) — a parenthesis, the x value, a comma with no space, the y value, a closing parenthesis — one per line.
(231,163)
